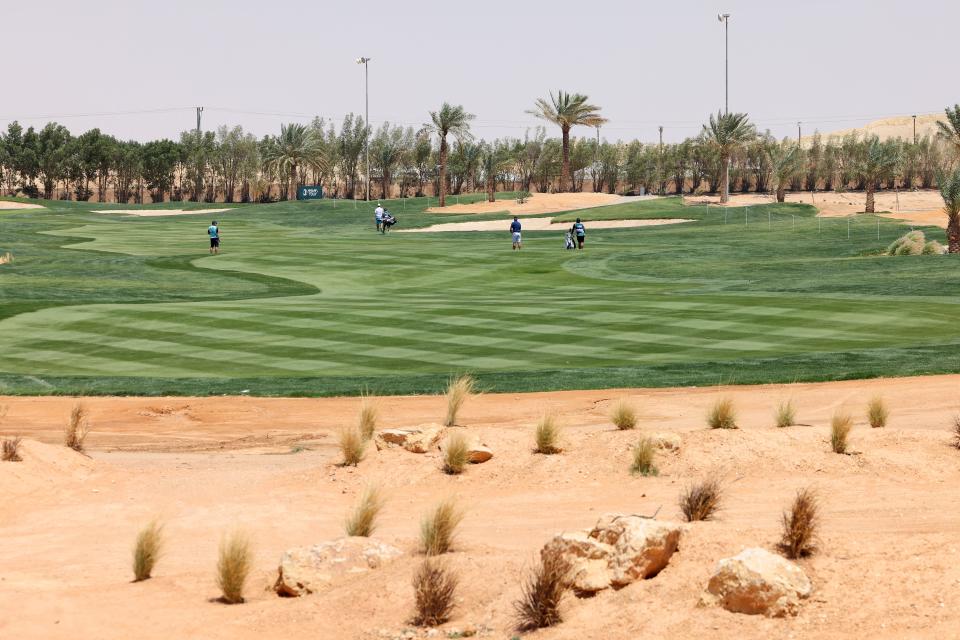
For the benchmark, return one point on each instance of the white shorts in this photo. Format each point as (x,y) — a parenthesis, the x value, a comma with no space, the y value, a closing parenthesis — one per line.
(516,237)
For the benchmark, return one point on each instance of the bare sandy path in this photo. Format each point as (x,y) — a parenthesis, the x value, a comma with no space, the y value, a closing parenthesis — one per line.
(888,565)
(156,213)
(539,203)
(541,224)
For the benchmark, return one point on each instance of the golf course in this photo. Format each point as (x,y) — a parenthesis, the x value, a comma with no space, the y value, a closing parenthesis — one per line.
(307,299)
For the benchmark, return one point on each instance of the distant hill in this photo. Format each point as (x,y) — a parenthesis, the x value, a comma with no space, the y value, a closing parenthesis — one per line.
(895,127)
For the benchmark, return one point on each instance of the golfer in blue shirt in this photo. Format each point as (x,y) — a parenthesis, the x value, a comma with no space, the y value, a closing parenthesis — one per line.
(515,231)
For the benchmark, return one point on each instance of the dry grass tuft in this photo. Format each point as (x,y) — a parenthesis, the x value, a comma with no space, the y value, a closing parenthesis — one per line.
(352,446)
(11,449)
(6,258)
(701,501)
(438,528)
(623,415)
(434,588)
(877,412)
(458,391)
(77,429)
(147,550)
(456,454)
(547,435)
(369,413)
(786,415)
(840,426)
(362,521)
(722,414)
(542,594)
(956,432)
(233,566)
(643,455)
(800,524)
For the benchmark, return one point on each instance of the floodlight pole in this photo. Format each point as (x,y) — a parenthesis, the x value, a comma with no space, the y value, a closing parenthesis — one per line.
(799,124)
(725,19)
(366,139)
(914,129)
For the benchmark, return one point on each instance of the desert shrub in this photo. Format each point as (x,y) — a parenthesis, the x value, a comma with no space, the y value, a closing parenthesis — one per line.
(786,414)
(438,527)
(147,550)
(434,588)
(800,523)
(933,248)
(233,566)
(643,455)
(877,412)
(458,391)
(362,521)
(352,446)
(542,593)
(623,415)
(456,454)
(840,425)
(722,415)
(369,413)
(909,244)
(77,428)
(11,450)
(547,435)
(523,196)
(956,432)
(6,258)
(701,500)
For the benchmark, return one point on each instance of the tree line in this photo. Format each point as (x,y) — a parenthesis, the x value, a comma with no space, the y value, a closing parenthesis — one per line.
(442,157)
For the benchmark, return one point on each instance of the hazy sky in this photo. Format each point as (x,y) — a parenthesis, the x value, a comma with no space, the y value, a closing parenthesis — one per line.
(832,64)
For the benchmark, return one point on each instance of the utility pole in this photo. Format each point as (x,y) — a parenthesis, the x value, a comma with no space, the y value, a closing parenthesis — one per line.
(914,129)
(199,111)
(663,185)
(366,143)
(798,133)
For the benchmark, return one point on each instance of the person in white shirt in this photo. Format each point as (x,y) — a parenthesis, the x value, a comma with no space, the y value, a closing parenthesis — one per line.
(378,214)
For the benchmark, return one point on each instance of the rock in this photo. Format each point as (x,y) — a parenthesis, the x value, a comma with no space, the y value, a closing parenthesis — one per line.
(758,582)
(617,551)
(642,547)
(418,439)
(305,570)
(479,454)
(666,440)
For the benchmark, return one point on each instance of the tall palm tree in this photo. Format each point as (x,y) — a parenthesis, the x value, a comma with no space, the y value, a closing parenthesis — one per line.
(950,130)
(568,110)
(950,191)
(879,162)
(728,132)
(296,147)
(452,120)
(785,161)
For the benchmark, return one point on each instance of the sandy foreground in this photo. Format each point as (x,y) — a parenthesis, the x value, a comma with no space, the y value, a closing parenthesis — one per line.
(889,565)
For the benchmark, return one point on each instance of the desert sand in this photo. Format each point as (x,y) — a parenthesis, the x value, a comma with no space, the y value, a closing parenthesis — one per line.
(9,205)
(536,203)
(887,128)
(887,567)
(917,207)
(152,213)
(541,224)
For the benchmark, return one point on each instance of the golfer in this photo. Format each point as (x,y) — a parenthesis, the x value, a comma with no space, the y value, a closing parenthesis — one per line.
(214,232)
(378,215)
(515,231)
(579,232)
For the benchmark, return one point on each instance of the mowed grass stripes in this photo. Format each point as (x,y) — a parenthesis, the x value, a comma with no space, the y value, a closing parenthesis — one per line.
(303,292)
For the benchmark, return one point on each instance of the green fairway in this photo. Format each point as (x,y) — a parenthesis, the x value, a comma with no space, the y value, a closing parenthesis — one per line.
(307,299)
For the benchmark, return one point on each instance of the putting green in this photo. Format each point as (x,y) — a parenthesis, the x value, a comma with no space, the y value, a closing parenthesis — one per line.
(307,299)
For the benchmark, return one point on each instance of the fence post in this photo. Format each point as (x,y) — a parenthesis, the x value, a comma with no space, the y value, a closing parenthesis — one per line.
(878,228)
(769,222)
(793,219)
(848,227)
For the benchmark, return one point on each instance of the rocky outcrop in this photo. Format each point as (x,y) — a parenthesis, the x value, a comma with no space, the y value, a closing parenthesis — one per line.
(666,440)
(758,582)
(419,439)
(619,550)
(305,570)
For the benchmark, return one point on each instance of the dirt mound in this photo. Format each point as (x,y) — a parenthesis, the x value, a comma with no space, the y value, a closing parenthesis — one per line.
(43,466)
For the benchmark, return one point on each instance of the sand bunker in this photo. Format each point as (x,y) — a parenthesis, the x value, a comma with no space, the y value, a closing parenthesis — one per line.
(542,224)
(918,207)
(151,213)
(536,203)
(6,204)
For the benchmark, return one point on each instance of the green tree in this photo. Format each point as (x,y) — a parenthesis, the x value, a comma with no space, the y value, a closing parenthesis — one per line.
(949,131)
(878,162)
(159,163)
(297,146)
(727,133)
(449,120)
(786,161)
(949,184)
(566,111)
(52,154)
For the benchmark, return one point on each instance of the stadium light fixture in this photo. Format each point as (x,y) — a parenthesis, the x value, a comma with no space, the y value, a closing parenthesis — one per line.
(366,139)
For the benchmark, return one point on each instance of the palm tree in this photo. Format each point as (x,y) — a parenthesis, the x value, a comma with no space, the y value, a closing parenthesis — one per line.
(785,162)
(296,147)
(449,120)
(950,130)
(950,191)
(568,110)
(728,132)
(879,162)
